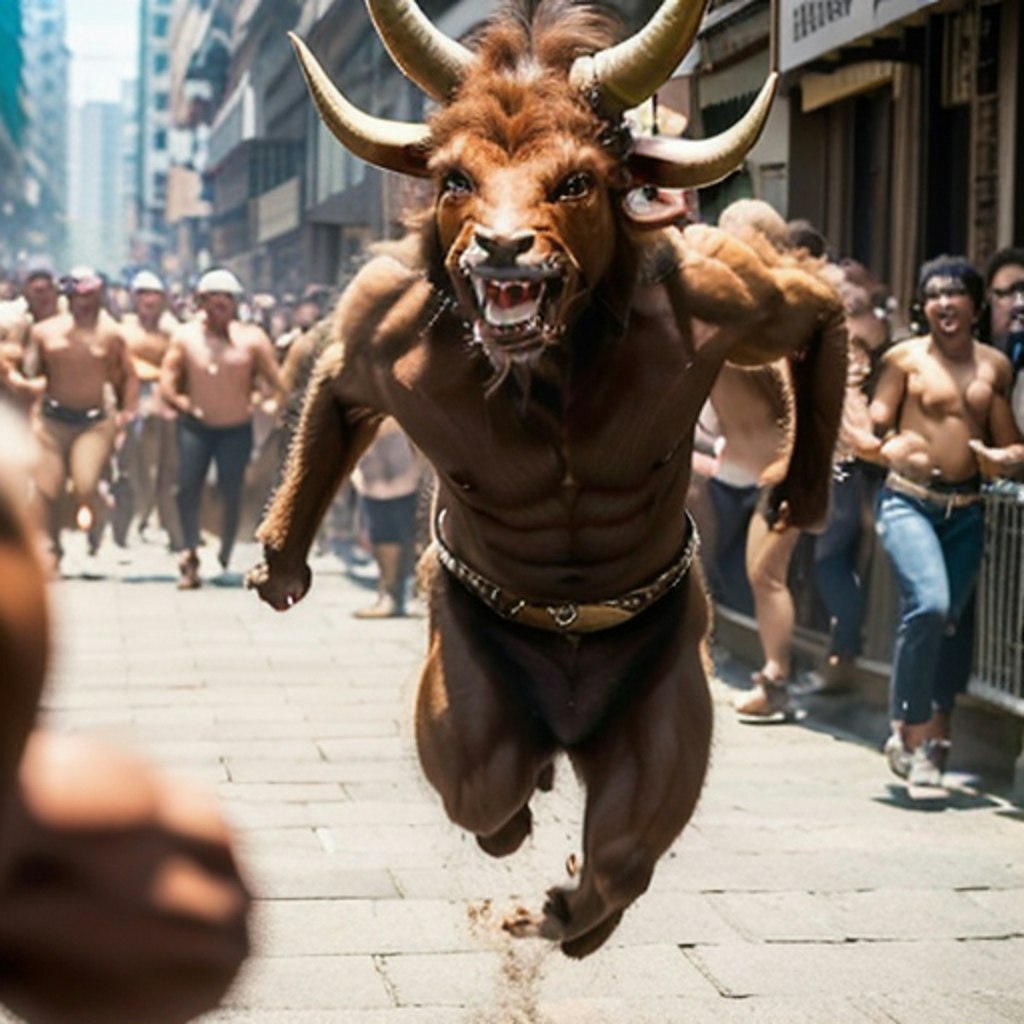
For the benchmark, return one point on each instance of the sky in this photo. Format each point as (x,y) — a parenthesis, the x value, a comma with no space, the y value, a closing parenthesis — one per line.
(102,36)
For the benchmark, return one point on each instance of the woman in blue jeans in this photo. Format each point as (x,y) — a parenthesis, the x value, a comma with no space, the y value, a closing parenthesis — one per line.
(941,400)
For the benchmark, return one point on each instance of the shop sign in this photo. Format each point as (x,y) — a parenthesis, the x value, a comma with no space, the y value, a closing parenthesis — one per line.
(809,28)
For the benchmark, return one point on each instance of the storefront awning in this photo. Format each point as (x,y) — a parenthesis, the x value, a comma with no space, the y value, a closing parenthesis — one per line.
(810,28)
(821,90)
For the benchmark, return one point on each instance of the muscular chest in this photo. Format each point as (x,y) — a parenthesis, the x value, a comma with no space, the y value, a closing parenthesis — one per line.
(623,424)
(77,352)
(942,392)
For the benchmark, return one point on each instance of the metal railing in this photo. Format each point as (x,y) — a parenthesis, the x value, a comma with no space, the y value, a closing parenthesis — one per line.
(998,674)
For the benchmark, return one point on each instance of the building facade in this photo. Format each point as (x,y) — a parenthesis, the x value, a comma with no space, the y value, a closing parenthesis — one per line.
(44,145)
(12,130)
(98,234)
(153,121)
(896,128)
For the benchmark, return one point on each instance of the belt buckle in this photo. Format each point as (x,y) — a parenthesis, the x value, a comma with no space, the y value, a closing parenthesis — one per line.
(563,615)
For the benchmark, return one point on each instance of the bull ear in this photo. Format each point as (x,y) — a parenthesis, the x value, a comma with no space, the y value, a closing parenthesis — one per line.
(633,70)
(650,207)
(436,63)
(693,163)
(394,145)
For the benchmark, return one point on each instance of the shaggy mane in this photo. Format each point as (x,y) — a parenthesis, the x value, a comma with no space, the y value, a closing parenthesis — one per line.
(517,90)
(548,33)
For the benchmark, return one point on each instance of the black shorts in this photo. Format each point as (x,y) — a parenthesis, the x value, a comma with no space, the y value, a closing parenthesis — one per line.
(390,520)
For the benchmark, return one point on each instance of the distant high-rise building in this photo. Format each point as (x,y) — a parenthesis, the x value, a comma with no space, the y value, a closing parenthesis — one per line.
(12,128)
(98,235)
(44,145)
(153,120)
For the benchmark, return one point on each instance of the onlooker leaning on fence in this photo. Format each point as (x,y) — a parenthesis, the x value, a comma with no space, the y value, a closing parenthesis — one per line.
(940,400)
(1003,324)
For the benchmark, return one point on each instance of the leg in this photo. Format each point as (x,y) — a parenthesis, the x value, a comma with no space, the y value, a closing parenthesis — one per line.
(195,447)
(733,507)
(479,748)
(643,775)
(835,565)
(54,440)
(167,482)
(88,461)
(232,453)
(768,556)
(910,540)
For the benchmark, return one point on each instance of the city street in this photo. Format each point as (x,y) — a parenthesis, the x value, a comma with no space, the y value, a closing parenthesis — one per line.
(805,890)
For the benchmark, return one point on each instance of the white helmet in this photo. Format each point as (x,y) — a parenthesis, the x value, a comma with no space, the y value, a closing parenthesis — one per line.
(219,281)
(147,281)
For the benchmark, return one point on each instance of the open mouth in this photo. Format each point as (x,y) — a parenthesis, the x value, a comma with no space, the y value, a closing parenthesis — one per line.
(514,305)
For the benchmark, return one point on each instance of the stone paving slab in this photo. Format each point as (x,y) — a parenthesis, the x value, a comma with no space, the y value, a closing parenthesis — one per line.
(806,891)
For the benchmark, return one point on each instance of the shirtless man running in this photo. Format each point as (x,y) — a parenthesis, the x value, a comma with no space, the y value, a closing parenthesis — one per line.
(213,367)
(75,356)
(39,301)
(149,456)
(941,400)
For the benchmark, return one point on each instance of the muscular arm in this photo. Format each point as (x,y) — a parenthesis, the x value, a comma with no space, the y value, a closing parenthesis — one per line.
(329,441)
(1005,456)
(29,380)
(126,380)
(267,370)
(343,408)
(172,373)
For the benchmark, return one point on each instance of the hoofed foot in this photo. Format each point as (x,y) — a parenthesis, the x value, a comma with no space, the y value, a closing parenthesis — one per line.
(555,924)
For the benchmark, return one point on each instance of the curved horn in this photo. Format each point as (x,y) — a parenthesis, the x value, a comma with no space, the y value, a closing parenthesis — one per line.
(631,71)
(692,163)
(393,145)
(436,63)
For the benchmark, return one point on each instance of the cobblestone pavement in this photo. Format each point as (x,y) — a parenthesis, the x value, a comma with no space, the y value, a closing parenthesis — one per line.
(805,890)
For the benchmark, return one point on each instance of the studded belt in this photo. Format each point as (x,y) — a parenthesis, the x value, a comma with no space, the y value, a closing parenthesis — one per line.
(569,616)
(947,499)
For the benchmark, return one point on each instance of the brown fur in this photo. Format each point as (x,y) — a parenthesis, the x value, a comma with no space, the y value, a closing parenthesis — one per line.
(562,457)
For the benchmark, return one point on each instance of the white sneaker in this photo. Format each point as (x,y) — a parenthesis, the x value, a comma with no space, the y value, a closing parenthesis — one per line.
(924,780)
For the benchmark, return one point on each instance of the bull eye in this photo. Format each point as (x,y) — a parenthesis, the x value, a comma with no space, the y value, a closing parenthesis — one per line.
(457,183)
(577,185)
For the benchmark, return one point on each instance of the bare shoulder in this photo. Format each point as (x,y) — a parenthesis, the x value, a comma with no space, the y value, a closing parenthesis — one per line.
(386,298)
(186,331)
(49,330)
(250,335)
(997,363)
(905,355)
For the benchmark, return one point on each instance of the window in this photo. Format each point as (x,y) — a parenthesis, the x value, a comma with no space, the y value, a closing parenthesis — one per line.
(160,62)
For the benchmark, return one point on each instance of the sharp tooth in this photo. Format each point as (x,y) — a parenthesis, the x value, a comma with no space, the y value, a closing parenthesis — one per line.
(480,287)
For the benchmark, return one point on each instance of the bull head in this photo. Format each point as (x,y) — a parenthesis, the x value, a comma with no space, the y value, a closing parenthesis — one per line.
(527,151)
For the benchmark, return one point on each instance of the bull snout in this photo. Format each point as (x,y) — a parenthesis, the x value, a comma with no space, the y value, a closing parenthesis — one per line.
(503,249)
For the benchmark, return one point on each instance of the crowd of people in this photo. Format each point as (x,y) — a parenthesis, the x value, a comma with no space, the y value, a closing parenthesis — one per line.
(934,407)
(133,393)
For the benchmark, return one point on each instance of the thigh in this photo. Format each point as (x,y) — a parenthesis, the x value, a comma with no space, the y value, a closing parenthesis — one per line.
(645,769)
(769,553)
(54,441)
(963,540)
(479,746)
(194,454)
(90,455)
(232,451)
(913,547)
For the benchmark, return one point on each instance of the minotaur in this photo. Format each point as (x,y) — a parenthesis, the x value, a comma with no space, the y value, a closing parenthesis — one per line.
(546,334)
